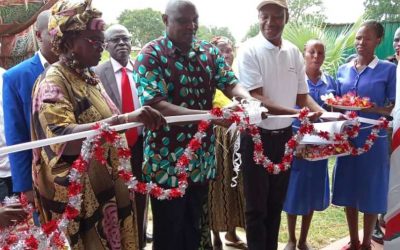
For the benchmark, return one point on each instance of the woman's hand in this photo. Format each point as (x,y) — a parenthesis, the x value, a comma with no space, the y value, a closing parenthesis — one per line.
(151,118)
(10,214)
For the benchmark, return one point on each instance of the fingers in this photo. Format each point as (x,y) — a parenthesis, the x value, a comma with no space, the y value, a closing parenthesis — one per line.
(151,118)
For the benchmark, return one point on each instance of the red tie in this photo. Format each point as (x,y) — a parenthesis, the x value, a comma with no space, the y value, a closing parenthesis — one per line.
(128,106)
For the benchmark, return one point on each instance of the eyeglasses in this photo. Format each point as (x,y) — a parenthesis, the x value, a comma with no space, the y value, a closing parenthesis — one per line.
(97,44)
(119,39)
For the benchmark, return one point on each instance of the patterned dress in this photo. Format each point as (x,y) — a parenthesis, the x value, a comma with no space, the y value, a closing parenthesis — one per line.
(226,203)
(61,101)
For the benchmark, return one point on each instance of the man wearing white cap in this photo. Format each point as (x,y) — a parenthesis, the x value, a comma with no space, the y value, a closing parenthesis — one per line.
(272,69)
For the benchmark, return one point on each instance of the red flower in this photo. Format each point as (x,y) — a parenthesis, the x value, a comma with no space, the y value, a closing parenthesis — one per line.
(175,193)
(98,153)
(183,161)
(71,213)
(58,241)
(324,134)
(270,168)
(74,188)
(96,126)
(253,130)
(203,126)
(258,147)
(50,227)
(235,118)
(109,136)
(11,239)
(156,191)
(303,113)
(366,147)
(80,165)
(24,200)
(141,187)
(292,143)
(216,112)
(351,114)
(182,176)
(281,167)
(31,242)
(194,144)
(125,175)
(124,153)
(372,137)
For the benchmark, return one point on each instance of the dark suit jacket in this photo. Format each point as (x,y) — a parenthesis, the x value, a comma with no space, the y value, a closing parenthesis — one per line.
(17,101)
(106,74)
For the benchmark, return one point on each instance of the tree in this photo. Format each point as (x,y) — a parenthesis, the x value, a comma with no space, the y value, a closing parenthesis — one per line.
(207,33)
(144,25)
(300,9)
(383,10)
(253,31)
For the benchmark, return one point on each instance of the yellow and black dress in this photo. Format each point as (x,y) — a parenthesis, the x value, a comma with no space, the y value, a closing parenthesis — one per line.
(61,101)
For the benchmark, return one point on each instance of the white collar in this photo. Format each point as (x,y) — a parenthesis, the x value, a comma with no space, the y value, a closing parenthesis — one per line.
(371,65)
(268,44)
(117,66)
(43,60)
(323,78)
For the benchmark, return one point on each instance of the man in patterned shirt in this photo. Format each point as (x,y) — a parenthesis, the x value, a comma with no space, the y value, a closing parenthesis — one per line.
(178,75)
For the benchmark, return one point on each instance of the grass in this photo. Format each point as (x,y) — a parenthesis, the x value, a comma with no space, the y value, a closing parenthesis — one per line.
(326,227)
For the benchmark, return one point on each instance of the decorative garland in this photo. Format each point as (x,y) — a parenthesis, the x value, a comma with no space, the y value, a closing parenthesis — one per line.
(51,234)
(306,127)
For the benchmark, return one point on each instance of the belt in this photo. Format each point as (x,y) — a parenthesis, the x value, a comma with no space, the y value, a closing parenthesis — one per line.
(276,131)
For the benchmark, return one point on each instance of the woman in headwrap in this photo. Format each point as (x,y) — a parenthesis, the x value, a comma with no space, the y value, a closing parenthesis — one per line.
(69,98)
(226,203)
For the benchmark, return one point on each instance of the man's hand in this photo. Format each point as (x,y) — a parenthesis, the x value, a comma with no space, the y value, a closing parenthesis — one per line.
(151,118)
(10,214)
(315,116)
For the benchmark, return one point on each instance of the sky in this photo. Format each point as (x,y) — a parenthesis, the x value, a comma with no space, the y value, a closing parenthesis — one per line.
(237,15)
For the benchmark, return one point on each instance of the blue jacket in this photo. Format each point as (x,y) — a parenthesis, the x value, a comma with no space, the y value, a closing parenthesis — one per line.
(17,101)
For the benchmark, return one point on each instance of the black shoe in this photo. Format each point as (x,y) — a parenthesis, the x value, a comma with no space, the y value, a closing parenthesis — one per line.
(149,238)
(377,234)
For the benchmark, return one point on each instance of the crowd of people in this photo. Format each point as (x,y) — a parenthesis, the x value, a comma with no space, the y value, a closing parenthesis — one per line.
(63,90)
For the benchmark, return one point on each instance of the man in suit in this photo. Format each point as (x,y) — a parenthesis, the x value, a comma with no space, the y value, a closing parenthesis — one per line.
(112,74)
(17,88)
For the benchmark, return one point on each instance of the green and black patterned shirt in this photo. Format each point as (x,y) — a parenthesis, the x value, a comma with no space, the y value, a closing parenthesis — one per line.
(162,72)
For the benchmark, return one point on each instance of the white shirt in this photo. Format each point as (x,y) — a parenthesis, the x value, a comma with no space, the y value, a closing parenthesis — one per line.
(43,60)
(118,76)
(5,170)
(278,71)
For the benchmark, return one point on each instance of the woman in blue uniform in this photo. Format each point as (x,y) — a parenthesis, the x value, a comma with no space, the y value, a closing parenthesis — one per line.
(361,182)
(309,184)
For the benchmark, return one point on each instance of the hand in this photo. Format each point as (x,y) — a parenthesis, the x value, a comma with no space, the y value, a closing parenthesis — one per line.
(10,214)
(30,196)
(222,122)
(315,116)
(151,118)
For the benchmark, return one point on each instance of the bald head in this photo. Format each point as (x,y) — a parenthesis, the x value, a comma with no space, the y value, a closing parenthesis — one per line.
(115,28)
(174,6)
(43,37)
(42,21)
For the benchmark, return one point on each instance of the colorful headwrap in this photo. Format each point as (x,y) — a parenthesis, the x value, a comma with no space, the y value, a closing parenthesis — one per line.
(73,15)
(220,39)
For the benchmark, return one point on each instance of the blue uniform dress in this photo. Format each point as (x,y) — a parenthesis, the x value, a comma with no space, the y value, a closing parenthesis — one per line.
(362,181)
(309,182)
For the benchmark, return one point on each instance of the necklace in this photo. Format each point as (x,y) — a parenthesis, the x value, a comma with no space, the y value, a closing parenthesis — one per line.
(87,74)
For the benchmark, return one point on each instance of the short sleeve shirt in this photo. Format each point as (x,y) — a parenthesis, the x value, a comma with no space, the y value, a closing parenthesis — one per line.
(162,72)
(325,85)
(279,71)
(377,81)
